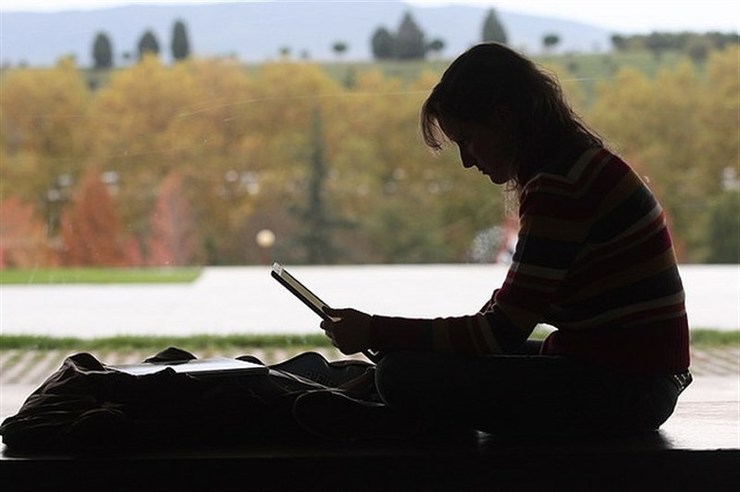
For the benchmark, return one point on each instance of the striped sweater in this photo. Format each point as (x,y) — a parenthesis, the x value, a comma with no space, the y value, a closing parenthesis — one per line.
(594,259)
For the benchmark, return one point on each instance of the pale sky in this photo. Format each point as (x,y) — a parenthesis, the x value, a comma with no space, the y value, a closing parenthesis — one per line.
(622,15)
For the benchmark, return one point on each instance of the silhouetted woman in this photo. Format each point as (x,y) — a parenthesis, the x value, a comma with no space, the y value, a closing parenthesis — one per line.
(594,259)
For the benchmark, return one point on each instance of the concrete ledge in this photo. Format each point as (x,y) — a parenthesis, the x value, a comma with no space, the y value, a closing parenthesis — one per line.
(698,449)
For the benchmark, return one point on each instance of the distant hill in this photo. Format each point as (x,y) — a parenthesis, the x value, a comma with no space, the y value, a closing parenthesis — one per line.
(254,32)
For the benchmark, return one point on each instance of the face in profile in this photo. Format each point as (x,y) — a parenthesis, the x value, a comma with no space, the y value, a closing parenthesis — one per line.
(488,147)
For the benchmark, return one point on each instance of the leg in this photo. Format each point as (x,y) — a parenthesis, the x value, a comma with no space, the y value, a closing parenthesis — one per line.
(530,347)
(523,394)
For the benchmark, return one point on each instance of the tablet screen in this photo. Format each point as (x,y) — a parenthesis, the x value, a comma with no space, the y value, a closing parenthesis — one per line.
(299,290)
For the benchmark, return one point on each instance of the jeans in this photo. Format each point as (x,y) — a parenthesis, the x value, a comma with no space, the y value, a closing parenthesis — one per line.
(525,394)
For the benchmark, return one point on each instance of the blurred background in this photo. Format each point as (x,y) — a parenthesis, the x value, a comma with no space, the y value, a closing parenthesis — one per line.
(157,156)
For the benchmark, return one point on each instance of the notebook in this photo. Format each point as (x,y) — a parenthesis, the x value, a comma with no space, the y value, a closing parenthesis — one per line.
(218,367)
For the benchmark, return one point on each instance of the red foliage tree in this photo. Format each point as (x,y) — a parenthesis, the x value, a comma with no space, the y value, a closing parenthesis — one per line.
(22,236)
(91,230)
(173,238)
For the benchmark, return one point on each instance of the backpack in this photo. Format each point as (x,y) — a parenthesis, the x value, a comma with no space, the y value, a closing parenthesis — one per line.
(87,405)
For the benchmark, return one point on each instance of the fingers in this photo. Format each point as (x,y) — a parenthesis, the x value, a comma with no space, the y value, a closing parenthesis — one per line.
(329,311)
(346,329)
(336,313)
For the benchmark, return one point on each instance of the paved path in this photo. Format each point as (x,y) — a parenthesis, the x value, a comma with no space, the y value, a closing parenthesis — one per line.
(716,370)
(31,367)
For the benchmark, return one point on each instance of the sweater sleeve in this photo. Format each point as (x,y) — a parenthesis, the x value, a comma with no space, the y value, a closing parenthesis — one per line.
(488,332)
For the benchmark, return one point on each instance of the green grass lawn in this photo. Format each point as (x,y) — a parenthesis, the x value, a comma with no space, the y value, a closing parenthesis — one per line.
(194,342)
(98,276)
(699,338)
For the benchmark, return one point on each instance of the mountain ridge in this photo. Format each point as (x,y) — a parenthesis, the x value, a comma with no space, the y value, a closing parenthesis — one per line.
(254,32)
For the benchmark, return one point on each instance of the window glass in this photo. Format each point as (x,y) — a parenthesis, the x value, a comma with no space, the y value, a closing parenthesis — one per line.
(156,159)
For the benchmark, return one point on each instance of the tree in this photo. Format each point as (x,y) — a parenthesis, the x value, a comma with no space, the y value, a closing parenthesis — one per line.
(549,41)
(409,42)
(619,42)
(40,110)
(180,42)
(173,240)
(382,44)
(493,30)
(43,130)
(148,44)
(242,141)
(139,133)
(698,48)
(720,107)
(436,46)
(264,159)
(102,52)
(314,218)
(680,145)
(91,230)
(657,43)
(405,207)
(724,228)
(22,238)
(339,47)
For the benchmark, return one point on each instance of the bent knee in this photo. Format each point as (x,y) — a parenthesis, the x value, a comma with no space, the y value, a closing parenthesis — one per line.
(393,377)
(401,377)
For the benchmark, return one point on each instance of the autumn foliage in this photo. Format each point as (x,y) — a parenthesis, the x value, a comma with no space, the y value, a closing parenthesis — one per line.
(91,230)
(173,240)
(22,236)
(205,153)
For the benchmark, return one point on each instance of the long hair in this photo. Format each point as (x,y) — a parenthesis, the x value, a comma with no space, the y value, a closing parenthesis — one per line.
(490,75)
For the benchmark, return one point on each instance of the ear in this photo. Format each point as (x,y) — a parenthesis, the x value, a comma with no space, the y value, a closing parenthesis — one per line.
(503,115)
(502,118)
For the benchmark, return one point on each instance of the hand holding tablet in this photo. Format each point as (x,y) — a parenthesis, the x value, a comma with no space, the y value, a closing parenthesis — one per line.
(311,300)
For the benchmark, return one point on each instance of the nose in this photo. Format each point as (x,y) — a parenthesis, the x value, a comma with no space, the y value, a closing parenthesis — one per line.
(466,159)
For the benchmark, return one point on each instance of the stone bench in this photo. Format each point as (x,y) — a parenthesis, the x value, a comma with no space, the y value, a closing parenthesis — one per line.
(697,449)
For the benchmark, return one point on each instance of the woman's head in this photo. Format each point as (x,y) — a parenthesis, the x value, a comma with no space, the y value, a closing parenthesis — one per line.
(492,86)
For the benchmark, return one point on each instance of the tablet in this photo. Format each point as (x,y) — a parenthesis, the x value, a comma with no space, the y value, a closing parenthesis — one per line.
(300,291)
(311,300)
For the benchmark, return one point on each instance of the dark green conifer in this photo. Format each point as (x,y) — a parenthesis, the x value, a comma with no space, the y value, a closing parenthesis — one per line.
(180,42)
(410,42)
(493,30)
(148,44)
(102,52)
(382,44)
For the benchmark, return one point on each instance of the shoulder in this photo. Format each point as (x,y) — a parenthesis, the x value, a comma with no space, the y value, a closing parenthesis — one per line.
(594,169)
